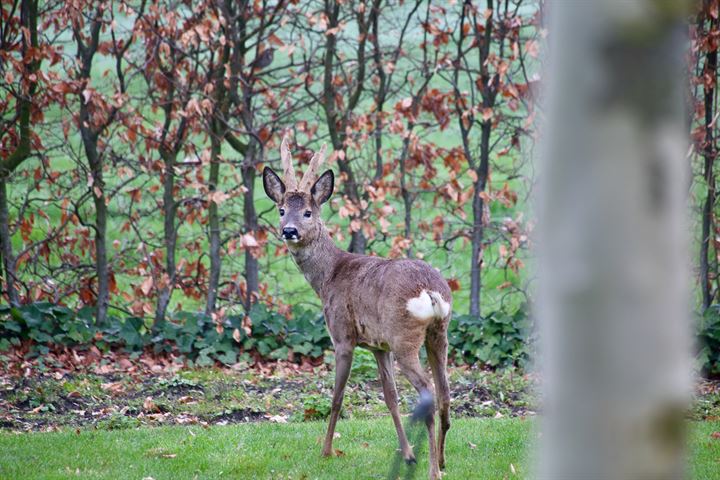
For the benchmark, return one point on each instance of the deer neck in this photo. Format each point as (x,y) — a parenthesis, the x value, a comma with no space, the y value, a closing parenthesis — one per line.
(317,260)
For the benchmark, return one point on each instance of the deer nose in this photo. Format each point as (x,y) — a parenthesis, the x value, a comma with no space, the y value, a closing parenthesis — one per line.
(290,233)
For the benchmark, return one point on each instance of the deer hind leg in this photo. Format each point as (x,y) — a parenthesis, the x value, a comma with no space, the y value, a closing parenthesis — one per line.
(410,367)
(436,344)
(387,377)
(343,362)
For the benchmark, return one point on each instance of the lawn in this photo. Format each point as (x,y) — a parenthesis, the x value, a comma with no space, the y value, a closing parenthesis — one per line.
(477,448)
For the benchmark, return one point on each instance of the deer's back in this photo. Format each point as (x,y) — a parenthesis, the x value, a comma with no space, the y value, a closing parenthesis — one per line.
(366,301)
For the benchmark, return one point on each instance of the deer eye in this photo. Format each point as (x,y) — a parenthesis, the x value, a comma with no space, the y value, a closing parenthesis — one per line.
(308,213)
(282,212)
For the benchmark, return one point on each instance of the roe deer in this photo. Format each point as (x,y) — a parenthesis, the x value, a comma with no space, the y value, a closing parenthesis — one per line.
(391,307)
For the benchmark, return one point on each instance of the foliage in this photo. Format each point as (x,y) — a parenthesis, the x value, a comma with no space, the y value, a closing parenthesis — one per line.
(316,407)
(364,366)
(708,334)
(500,339)
(140,188)
(195,336)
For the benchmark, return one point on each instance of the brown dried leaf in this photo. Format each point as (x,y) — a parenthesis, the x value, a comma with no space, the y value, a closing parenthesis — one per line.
(150,406)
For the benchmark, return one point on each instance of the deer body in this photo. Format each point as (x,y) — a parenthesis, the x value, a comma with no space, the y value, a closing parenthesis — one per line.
(391,307)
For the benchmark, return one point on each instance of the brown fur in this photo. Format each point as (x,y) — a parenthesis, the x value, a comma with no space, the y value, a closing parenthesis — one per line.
(365,302)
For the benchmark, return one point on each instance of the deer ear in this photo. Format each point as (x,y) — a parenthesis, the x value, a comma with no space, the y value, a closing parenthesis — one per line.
(274,187)
(323,187)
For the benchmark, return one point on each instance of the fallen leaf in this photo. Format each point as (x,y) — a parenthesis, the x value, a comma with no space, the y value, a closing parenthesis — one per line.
(277,419)
(472,446)
(339,453)
(150,406)
(715,435)
(113,387)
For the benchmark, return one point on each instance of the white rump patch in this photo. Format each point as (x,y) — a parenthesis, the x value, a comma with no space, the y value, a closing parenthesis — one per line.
(428,305)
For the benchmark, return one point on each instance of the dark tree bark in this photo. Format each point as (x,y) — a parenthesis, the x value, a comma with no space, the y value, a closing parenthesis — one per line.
(218,130)
(214,222)
(250,225)
(709,153)
(90,136)
(22,151)
(8,258)
(98,195)
(90,131)
(480,166)
(170,235)
(338,121)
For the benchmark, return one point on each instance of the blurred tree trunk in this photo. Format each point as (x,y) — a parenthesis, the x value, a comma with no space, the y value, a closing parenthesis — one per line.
(709,152)
(28,21)
(613,291)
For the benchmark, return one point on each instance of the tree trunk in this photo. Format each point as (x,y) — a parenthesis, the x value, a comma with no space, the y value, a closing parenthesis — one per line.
(214,225)
(613,278)
(8,257)
(98,195)
(335,120)
(28,20)
(709,174)
(478,229)
(405,193)
(101,262)
(250,226)
(170,235)
(476,240)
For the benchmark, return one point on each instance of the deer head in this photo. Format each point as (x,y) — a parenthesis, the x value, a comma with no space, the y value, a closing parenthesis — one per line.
(299,204)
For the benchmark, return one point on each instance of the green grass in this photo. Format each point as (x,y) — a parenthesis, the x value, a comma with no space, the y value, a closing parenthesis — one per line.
(285,451)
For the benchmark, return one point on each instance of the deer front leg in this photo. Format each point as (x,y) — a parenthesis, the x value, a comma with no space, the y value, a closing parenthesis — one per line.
(343,362)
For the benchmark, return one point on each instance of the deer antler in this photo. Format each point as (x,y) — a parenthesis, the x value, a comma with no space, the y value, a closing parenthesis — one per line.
(311,173)
(286,160)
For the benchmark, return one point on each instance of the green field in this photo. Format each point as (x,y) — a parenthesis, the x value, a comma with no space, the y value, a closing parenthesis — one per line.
(477,448)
